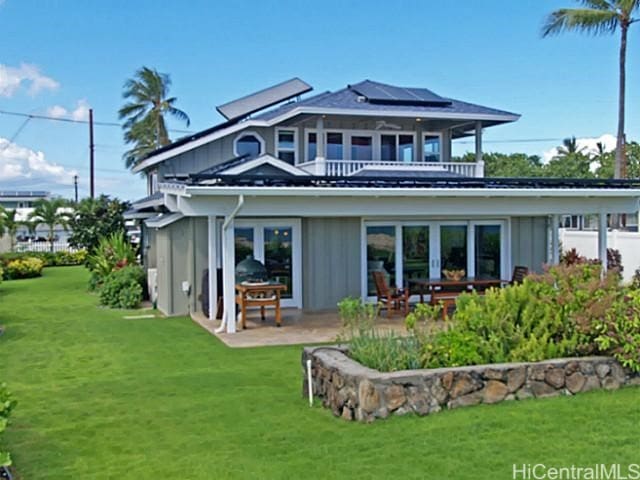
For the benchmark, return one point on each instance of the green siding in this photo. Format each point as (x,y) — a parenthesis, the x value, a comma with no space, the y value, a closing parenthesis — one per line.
(529,242)
(330,261)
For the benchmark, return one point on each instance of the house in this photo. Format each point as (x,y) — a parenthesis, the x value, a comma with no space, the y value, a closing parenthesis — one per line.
(324,189)
(21,198)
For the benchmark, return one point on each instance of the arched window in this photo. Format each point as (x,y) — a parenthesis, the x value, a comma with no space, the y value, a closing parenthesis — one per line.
(248,143)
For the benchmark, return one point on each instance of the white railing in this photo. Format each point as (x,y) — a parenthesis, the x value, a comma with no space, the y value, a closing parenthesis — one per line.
(344,168)
(43,247)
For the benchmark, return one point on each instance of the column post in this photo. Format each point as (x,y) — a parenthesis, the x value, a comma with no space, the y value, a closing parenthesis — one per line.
(479,161)
(555,240)
(602,240)
(228,276)
(212,266)
(321,165)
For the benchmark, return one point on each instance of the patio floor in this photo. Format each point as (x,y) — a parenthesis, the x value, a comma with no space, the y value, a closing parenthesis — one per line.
(298,327)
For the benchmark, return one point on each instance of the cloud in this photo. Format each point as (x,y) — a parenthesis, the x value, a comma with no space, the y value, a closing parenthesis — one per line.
(22,167)
(79,113)
(27,76)
(590,145)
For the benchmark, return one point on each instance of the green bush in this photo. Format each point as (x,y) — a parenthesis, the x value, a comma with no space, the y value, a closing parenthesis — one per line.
(112,253)
(6,405)
(122,288)
(28,267)
(570,310)
(49,259)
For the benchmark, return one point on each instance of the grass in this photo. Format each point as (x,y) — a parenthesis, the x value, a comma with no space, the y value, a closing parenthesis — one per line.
(101,396)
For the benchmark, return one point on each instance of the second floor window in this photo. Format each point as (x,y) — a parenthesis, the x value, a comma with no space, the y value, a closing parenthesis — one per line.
(286,145)
(334,146)
(361,147)
(396,148)
(249,144)
(431,148)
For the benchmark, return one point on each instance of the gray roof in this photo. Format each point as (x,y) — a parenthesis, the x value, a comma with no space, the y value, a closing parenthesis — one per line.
(348,98)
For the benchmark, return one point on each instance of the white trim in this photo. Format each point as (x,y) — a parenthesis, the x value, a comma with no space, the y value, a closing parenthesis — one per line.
(249,133)
(211,263)
(138,215)
(277,149)
(258,225)
(164,220)
(265,160)
(154,159)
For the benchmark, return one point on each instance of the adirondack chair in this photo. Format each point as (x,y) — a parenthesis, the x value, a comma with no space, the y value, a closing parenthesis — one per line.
(393,299)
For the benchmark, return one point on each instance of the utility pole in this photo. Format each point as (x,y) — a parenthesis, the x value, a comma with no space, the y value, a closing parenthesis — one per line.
(91,156)
(75,187)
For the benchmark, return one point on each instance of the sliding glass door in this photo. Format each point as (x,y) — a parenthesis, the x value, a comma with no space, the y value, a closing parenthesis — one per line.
(406,251)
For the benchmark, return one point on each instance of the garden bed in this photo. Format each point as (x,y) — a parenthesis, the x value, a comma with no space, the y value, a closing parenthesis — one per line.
(355,392)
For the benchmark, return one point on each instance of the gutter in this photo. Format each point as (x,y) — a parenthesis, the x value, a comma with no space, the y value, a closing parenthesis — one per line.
(225,227)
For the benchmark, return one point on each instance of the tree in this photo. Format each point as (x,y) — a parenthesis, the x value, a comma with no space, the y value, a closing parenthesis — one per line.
(607,160)
(512,165)
(50,213)
(144,114)
(95,218)
(9,224)
(601,17)
(569,146)
(570,165)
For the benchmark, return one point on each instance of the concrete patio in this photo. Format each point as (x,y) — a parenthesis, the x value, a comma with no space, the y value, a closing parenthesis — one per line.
(298,327)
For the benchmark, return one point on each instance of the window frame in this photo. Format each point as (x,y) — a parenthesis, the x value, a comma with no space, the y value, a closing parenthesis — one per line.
(276,142)
(249,133)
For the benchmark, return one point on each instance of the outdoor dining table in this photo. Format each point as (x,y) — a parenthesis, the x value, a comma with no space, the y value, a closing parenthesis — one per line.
(261,295)
(453,287)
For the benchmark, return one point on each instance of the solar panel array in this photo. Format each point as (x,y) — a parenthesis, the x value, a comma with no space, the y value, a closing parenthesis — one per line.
(263,99)
(376,92)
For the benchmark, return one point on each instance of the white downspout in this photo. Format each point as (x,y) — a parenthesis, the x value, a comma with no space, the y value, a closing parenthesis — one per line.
(225,227)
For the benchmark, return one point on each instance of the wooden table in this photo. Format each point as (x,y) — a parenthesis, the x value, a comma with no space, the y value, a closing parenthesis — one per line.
(259,295)
(446,291)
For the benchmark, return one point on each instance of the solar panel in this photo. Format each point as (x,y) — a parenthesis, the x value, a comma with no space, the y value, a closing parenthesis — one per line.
(389,94)
(263,99)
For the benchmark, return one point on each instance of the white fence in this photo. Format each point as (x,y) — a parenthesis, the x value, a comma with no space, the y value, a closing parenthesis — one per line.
(586,243)
(43,247)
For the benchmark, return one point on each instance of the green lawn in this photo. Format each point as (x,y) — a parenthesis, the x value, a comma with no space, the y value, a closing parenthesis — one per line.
(105,397)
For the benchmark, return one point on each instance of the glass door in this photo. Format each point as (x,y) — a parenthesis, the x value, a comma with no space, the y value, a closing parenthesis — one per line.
(275,244)
(453,249)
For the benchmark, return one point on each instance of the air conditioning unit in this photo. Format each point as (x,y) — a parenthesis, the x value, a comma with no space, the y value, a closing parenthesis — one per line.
(152,285)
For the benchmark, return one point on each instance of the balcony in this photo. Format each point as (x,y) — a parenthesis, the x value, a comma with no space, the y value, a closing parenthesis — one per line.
(345,168)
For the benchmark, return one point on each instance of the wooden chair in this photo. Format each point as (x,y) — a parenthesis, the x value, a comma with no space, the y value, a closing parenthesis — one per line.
(393,299)
(519,272)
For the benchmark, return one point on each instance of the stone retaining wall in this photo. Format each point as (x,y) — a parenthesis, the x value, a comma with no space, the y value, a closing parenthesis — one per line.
(355,392)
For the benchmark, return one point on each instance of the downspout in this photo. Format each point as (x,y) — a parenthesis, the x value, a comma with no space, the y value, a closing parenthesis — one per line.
(225,227)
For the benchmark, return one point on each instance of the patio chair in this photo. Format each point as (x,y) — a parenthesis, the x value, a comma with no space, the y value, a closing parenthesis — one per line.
(519,272)
(393,299)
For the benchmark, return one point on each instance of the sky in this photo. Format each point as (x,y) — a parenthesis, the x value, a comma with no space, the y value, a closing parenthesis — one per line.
(60,58)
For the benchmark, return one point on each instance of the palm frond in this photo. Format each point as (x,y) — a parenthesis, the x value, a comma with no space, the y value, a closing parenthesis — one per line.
(581,19)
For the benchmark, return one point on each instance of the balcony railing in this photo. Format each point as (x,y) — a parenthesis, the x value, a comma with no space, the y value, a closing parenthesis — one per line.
(345,168)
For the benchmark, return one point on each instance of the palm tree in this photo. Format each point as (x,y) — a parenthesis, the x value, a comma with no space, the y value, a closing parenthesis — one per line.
(569,147)
(601,17)
(50,213)
(145,111)
(9,224)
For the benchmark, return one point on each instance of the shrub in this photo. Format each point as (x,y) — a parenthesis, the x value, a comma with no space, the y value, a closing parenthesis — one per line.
(122,288)
(570,310)
(6,405)
(49,259)
(28,267)
(112,253)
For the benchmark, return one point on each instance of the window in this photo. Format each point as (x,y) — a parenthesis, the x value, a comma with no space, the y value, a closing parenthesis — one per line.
(250,144)
(286,145)
(453,247)
(243,244)
(152,182)
(312,146)
(415,253)
(278,254)
(361,147)
(396,147)
(334,146)
(487,252)
(381,255)
(431,148)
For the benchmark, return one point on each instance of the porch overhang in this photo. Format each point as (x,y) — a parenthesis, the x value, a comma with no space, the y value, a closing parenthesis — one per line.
(196,200)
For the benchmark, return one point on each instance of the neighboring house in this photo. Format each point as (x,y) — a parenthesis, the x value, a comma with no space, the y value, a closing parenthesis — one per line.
(21,199)
(327,188)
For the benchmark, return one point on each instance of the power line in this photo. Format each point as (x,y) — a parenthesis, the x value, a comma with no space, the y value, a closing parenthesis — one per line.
(72,120)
